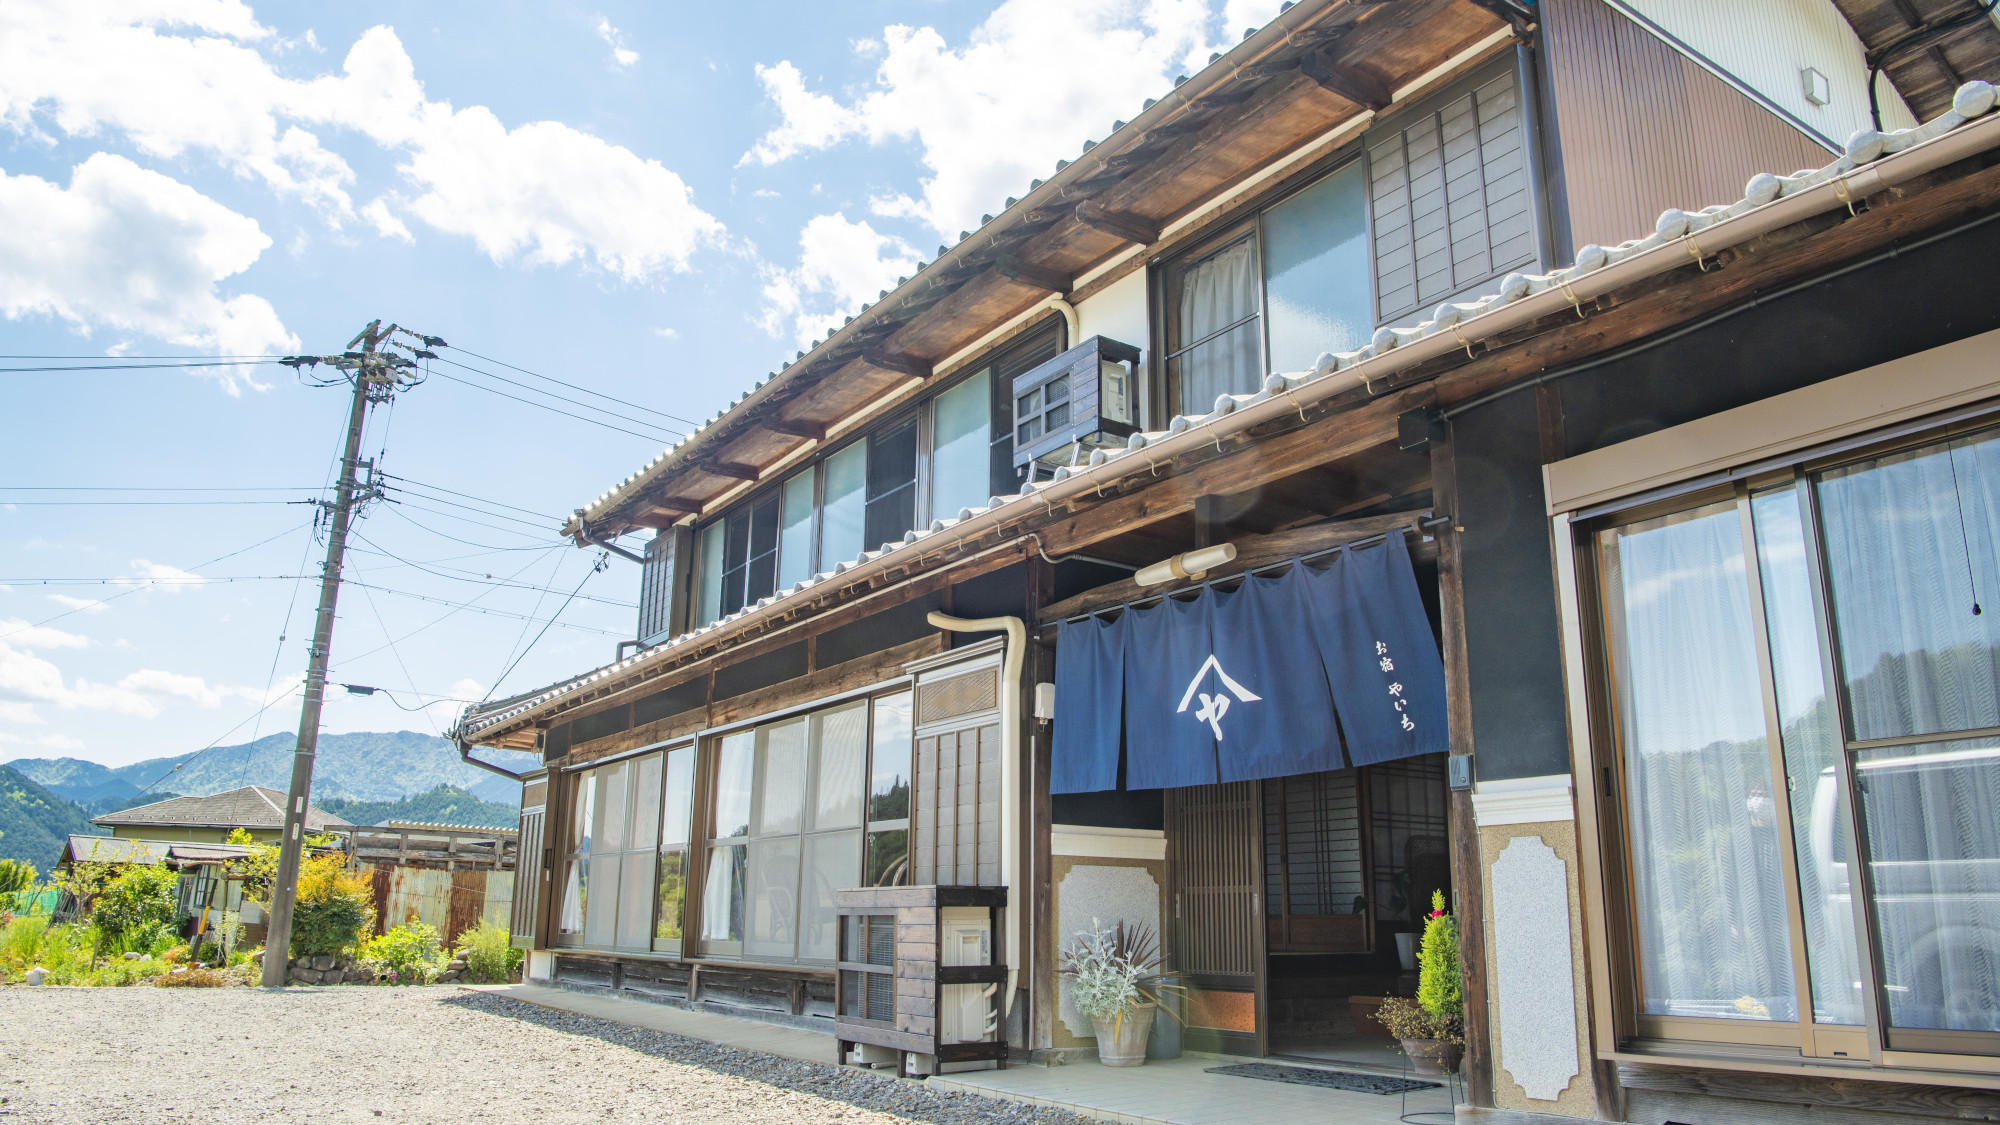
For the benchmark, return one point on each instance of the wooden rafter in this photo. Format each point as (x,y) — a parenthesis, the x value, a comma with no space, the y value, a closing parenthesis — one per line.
(1353,81)
(1027,273)
(897,362)
(1124,224)
(733,469)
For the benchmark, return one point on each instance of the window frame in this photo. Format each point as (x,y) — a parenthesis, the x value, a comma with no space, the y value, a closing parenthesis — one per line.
(1603,787)
(1246,221)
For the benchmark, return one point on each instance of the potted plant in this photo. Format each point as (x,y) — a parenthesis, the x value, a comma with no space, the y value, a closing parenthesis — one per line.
(1432,1027)
(1116,984)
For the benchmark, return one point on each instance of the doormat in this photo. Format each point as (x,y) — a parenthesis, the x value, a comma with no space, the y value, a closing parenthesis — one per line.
(1331,1079)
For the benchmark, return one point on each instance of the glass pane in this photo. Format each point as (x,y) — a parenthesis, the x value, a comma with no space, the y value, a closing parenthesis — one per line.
(959,436)
(635,901)
(679,799)
(1316,293)
(722,896)
(1910,550)
(763,569)
(645,802)
(773,899)
(1227,364)
(892,485)
(583,813)
(840,747)
(1811,735)
(889,770)
(1707,883)
(781,777)
(600,924)
(576,885)
(608,834)
(672,896)
(1933,840)
(830,866)
(795,538)
(888,860)
(1216,292)
(845,503)
(708,575)
(735,761)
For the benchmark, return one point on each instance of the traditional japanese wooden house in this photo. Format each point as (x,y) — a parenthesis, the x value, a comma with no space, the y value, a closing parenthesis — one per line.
(1302,501)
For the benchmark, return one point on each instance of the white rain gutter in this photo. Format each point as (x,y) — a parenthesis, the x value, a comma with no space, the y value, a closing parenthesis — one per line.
(1010,779)
(1522,301)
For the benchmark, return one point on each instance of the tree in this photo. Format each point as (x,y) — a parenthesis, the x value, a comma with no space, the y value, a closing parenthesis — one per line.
(139,903)
(16,875)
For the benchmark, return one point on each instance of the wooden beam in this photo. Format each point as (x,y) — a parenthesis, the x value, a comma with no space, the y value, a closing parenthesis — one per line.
(1028,273)
(812,431)
(1252,551)
(733,469)
(1353,81)
(897,362)
(1124,224)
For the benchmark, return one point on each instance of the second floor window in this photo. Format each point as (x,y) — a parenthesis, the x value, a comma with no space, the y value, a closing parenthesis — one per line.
(953,452)
(1272,294)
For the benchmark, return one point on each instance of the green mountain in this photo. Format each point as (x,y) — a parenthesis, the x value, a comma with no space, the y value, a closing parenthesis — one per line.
(34,823)
(447,804)
(363,766)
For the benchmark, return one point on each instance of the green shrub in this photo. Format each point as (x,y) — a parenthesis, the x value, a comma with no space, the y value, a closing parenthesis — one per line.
(489,953)
(139,901)
(67,952)
(1440,978)
(20,944)
(408,954)
(334,909)
(16,875)
(119,972)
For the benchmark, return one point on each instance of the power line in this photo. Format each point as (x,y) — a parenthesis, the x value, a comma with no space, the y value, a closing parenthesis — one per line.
(399,514)
(575,387)
(135,366)
(542,526)
(595,567)
(149,503)
(467,496)
(480,609)
(474,522)
(487,580)
(191,758)
(153,488)
(136,589)
(453,612)
(554,410)
(80,358)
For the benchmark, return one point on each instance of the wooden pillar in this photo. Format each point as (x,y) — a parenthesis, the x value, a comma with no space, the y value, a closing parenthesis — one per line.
(1035,896)
(1466,869)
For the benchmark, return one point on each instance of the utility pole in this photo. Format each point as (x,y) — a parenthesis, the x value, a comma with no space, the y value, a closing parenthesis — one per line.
(376,375)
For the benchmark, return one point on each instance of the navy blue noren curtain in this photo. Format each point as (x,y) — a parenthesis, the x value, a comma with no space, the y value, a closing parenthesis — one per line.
(1381,657)
(1090,690)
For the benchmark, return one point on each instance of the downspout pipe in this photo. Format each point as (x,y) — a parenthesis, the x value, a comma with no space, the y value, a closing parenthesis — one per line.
(465,753)
(1010,779)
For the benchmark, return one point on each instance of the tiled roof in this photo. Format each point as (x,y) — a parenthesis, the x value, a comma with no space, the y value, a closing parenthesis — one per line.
(252,806)
(110,849)
(1870,162)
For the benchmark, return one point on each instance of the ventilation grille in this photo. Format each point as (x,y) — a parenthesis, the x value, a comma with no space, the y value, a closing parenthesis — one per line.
(969,694)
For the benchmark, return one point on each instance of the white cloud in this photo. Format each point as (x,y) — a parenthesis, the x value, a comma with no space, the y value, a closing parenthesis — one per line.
(60,742)
(25,677)
(188,76)
(842,263)
(15,711)
(82,605)
(615,39)
(194,689)
(667,333)
(131,250)
(27,635)
(160,576)
(1027,87)
(385,221)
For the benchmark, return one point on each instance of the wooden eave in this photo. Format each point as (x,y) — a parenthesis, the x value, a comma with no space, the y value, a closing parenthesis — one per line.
(1334,431)
(1932,69)
(1255,105)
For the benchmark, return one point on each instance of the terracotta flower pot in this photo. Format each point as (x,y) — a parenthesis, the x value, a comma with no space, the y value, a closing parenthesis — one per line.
(1121,1041)
(1432,1056)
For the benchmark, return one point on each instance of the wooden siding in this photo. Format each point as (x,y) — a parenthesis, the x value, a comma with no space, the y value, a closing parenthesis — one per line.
(1643,128)
(662,585)
(956,813)
(528,881)
(1450,196)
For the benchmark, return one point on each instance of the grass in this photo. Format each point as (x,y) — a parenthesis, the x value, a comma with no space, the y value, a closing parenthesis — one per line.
(75,953)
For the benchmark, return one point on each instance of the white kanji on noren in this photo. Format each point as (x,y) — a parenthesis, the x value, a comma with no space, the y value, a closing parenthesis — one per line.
(1214,707)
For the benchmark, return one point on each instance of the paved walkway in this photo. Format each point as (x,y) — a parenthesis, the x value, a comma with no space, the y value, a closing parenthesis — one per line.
(729,1031)
(1163,1092)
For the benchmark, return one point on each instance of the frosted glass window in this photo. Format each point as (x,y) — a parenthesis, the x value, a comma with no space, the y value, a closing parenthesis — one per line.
(781,777)
(960,433)
(840,750)
(612,809)
(600,926)
(635,901)
(1316,262)
(844,506)
(708,574)
(679,795)
(735,763)
(722,899)
(795,535)
(831,862)
(773,899)
(645,803)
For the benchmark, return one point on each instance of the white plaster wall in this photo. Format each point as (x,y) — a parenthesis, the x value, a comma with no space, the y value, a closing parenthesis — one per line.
(1104,895)
(1764,45)
(1118,312)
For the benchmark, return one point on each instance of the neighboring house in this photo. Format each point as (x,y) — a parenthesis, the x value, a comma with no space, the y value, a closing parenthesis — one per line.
(1618,571)
(253,808)
(210,898)
(451,877)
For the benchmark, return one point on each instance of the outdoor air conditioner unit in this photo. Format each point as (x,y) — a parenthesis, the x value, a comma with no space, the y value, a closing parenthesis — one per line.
(1083,399)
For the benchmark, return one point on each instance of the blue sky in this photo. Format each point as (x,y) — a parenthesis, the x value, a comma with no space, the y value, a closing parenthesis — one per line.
(657,202)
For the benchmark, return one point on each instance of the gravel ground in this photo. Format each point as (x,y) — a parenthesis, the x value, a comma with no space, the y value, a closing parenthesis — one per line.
(331,1056)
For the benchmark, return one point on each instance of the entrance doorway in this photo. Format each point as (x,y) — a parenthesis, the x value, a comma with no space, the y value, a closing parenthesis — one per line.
(1296,901)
